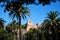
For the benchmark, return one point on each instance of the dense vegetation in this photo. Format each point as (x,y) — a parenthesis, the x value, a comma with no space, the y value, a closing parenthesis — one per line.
(50,28)
(5,35)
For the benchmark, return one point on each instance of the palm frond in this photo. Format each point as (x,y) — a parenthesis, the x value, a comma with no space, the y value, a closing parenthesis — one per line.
(2,22)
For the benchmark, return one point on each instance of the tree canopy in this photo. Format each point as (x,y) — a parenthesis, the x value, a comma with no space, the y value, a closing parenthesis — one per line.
(44,2)
(12,4)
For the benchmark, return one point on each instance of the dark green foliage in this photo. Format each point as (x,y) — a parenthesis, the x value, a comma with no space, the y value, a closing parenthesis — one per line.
(11,5)
(5,35)
(33,34)
(24,26)
(44,2)
(1,22)
(51,25)
(13,25)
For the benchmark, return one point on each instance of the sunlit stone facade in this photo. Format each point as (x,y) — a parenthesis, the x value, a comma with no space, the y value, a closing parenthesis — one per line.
(30,25)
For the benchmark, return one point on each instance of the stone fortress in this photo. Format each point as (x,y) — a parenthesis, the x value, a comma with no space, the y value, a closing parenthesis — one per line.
(30,25)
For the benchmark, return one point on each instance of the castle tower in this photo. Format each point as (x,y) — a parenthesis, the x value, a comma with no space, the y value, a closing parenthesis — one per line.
(29,25)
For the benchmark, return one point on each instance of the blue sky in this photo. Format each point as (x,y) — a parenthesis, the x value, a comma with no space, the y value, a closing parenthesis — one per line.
(38,13)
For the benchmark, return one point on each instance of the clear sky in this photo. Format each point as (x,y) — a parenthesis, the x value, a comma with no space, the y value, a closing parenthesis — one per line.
(38,13)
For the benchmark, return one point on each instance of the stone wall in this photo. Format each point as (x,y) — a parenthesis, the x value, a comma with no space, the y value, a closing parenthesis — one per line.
(30,25)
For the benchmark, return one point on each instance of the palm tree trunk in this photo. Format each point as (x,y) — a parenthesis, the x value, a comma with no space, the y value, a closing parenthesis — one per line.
(14,33)
(20,28)
(14,36)
(37,32)
(56,33)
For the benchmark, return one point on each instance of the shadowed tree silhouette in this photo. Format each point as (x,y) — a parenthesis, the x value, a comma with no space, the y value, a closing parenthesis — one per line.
(2,22)
(43,2)
(21,12)
(14,25)
(51,24)
(32,34)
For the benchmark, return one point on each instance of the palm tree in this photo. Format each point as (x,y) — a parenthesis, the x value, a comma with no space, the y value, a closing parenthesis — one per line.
(52,23)
(14,25)
(1,22)
(11,27)
(19,12)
